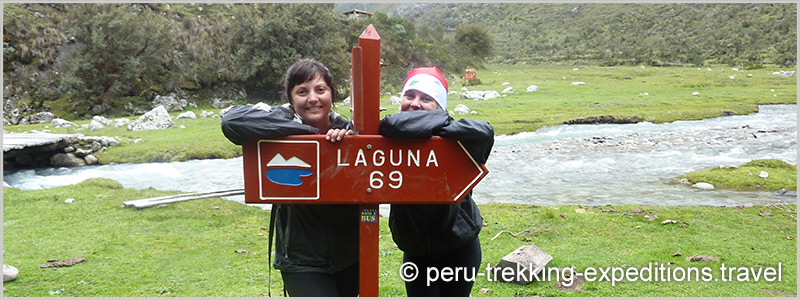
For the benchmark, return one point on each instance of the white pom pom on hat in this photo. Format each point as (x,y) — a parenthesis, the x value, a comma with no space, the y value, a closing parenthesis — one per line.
(428,80)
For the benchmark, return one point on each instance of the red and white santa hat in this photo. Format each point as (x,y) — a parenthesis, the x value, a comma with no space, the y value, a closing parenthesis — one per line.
(428,80)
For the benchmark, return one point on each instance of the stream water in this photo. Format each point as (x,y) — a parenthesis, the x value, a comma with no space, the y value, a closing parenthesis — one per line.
(567,164)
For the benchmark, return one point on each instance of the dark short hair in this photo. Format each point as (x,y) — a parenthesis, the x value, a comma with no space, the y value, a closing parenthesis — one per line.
(304,70)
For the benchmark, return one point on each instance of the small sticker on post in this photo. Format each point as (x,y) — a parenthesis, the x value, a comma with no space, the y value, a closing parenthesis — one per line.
(369,215)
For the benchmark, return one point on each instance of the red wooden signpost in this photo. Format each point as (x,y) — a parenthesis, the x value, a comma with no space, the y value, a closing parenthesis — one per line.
(365,169)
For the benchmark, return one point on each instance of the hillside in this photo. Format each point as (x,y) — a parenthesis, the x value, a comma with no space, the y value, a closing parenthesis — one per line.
(616,33)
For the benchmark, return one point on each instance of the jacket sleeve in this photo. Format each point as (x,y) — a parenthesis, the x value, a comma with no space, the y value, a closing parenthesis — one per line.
(244,122)
(476,136)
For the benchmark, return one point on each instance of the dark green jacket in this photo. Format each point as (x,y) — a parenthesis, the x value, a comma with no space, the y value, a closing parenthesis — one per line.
(437,229)
(309,238)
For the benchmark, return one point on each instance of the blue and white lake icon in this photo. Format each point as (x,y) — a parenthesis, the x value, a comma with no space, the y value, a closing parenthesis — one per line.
(287,172)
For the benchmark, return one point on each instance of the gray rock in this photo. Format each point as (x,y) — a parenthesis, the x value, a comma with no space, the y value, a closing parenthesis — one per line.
(70,200)
(461,109)
(90,159)
(82,152)
(41,117)
(187,115)
(479,95)
(225,110)
(58,122)
(204,114)
(262,106)
(66,160)
(217,103)
(508,90)
(703,186)
(523,259)
(532,88)
(395,100)
(170,103)
(103,120)
(9,273)
(763,174)
(95,125)
(158,118)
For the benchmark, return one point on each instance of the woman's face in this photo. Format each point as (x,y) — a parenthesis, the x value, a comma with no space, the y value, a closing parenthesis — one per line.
(312,100)
(416,100)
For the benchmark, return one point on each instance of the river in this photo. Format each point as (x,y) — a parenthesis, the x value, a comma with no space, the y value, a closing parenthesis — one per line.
(561,165)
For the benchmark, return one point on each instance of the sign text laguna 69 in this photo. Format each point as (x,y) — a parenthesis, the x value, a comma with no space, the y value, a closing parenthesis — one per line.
(359,169)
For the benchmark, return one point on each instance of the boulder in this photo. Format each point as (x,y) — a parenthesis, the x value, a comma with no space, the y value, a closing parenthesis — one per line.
(522,260)
(461,109)
(95,125)
(262,106)
(41,117)
(170,103)
(508,90)
(58,122)
(9,273)
(218,103)
(532,88)
(703,186)
(66,160)
(121,122)
(225,110)
(90,159)
(480,95)
(186,115)
(103,120)
(158,118)
(788,74)
(394,100)
(204,114)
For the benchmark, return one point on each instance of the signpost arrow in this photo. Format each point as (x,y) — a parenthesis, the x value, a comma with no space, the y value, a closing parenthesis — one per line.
(358,170)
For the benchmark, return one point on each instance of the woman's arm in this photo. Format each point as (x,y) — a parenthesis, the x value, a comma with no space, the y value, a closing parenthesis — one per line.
(244,122)
(477,136)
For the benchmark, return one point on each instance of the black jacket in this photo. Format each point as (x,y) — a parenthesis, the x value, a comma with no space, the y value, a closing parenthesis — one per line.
(437,229)
(313,237)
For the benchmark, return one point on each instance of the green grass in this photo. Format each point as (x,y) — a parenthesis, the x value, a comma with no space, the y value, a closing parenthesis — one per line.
(617,91)
(781,175)
(188,249)
(612,91)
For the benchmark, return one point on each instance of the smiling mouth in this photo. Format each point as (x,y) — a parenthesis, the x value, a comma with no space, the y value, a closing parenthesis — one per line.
(314,108)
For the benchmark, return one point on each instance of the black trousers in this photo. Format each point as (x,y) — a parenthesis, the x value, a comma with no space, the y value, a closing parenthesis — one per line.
(467,257)
(317,284)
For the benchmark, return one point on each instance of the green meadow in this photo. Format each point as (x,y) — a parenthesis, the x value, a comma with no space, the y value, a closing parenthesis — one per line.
(190,249)
(194,248)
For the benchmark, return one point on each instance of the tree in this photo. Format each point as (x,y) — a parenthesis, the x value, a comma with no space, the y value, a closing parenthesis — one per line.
(474,41)
(120,51)
(268,38)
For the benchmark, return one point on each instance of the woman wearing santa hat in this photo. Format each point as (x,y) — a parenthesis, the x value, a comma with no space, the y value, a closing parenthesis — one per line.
(437,235)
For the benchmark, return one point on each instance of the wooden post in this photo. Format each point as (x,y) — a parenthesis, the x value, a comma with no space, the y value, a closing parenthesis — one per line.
(366,120)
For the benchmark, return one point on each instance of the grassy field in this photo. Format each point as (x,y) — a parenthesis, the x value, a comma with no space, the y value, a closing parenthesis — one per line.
(189,249)
(615,91)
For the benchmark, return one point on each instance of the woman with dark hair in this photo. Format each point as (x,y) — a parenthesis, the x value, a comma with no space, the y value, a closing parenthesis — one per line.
(437,235)
(317,244)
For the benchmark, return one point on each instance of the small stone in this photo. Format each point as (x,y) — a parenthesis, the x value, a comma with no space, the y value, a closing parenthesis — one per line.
(701,257)
(677,254)
(789,238)
(9,273)
(703,186)
(651,218)
(136,141)
(90,159)
(668,221)
(215,207)
(485,224)
(241,251)
(763,174)
(161,206)
(638,226)
(765,213)
(483,291)
(70,200)
(260,234)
